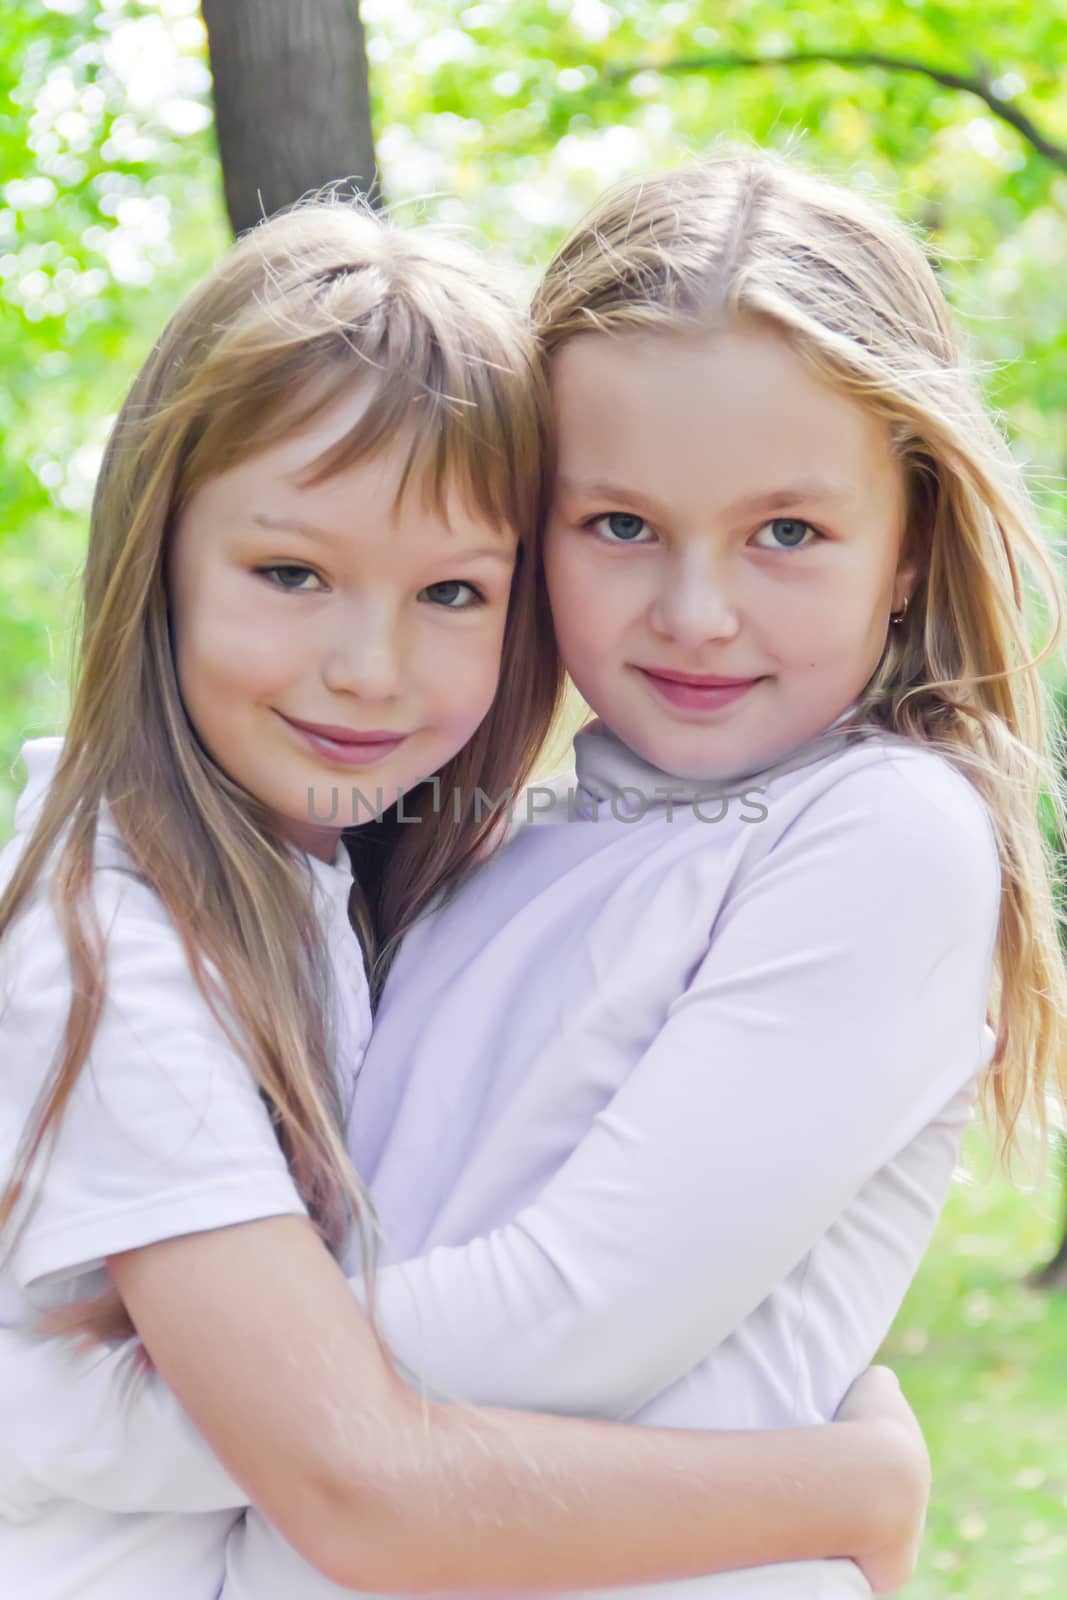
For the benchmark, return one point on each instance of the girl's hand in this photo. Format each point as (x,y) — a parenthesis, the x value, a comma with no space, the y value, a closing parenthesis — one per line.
(876,1397)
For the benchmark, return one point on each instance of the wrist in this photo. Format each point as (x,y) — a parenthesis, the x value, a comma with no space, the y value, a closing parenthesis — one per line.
(899,1471)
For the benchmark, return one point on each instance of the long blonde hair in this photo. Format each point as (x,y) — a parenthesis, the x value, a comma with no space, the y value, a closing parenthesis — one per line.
(750,234)
(301,310)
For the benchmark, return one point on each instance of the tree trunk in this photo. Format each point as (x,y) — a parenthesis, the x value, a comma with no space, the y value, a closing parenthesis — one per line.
(292,101)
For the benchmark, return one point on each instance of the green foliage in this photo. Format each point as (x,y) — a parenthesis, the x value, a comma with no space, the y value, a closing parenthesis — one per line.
(108,208)
(518,108)
(980,1358)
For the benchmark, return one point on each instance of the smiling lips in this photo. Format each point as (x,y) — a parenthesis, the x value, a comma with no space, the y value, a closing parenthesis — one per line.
(346,747)
(688,691)
(350,747)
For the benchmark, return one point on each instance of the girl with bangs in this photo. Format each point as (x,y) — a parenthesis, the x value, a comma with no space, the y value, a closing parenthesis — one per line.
(310,573)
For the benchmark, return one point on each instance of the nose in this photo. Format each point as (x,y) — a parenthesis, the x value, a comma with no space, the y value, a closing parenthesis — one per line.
(692,602)
(361,653)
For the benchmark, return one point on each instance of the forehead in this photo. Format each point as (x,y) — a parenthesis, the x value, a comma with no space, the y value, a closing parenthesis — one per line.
(731,410)
(307,474)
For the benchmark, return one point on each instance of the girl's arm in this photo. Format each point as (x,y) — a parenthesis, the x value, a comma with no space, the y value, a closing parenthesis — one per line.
(119,1440)
(262,1341)
(653,1163)
(259,1337)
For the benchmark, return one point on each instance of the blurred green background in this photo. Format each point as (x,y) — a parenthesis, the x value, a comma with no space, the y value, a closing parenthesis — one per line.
(508,116)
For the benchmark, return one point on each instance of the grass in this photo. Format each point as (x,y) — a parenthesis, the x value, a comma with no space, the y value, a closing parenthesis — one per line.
(983,1361)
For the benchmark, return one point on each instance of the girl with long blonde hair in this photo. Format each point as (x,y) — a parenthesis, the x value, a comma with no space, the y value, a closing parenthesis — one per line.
(311,587)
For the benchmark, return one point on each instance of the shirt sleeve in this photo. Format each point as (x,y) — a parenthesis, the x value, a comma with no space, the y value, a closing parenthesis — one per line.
(165,1132)
(841,1005)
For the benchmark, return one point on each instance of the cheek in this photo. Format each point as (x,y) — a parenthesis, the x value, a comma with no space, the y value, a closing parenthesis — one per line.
(822,619)
(560,566)
(223,652)
(462,680)
(572,581)
(830,644)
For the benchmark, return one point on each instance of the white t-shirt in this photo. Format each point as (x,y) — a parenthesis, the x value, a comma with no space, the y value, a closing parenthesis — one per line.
(666,1106)
(165,1134)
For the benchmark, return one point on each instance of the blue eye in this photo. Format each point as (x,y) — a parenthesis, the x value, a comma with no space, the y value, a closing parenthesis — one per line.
(623,527)
(788,532)
(452,595)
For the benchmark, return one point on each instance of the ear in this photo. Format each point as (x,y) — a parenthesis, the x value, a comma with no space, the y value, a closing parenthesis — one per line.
(911,562)
(913,556)
(904,583)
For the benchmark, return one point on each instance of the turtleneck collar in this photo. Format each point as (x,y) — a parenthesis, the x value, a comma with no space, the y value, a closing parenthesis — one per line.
(604,767)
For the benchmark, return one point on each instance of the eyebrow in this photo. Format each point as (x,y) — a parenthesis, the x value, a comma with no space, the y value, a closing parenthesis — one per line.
(807,493)
(812,491)
(610,491)
(293,525)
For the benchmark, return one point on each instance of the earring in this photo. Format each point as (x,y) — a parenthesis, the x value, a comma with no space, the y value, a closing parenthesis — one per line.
(897,617)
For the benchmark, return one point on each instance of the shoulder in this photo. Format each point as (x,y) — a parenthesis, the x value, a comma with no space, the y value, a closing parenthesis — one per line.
(149,989)
(907,790)
(897,808)
(129,911)
(163,1130)
(121,898)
